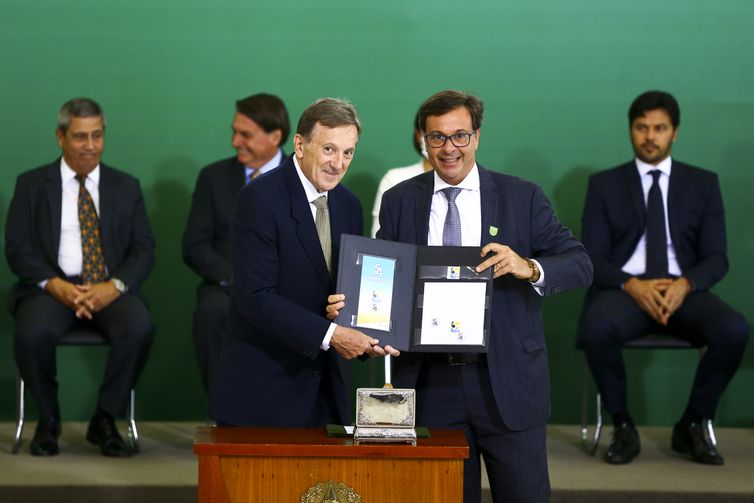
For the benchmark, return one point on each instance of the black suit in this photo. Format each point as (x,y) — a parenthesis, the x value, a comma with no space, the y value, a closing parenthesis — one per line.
(507,401)
(613,222)
(272,371)
(206,250)
(32,237)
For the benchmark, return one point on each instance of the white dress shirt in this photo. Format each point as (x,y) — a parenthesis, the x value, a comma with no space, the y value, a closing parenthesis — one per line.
(271,164)
(70,258)
(637,264)
(311,196)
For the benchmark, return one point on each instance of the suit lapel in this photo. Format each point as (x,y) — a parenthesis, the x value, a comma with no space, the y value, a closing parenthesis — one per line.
(54,190)
(676,190)
(337,224)
(635,192)
(423,203)
(305,228)
(490,202)
(239,176)
(108,193)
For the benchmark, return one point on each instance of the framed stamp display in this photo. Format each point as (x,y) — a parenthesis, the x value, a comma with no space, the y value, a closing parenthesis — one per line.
(415,298)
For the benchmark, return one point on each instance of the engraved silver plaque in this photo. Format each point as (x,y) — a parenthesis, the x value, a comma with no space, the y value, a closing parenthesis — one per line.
(385,415)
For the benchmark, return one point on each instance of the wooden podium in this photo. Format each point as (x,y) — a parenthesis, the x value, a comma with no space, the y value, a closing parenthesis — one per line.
(279,464)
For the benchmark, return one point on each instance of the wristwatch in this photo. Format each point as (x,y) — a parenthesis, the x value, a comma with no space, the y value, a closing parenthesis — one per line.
(119,285)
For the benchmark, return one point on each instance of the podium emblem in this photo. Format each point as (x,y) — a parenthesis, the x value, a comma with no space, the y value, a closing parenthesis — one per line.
(330,492)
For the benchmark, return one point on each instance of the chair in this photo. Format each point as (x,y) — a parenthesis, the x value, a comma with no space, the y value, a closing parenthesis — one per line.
(650,341)
(77,336)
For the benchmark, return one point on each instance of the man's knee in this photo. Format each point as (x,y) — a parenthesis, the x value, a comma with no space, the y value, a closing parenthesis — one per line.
(33,334)
(599,329)
(211,311)
(732,330)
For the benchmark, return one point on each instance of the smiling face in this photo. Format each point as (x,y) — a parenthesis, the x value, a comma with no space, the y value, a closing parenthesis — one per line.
(325,157)
(82,143)
(254,146)
(652,136)
(452,163)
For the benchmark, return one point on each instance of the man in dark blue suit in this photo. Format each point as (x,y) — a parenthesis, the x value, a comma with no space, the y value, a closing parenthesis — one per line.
(284,364)
(500,400)
(260,126)
(654,275)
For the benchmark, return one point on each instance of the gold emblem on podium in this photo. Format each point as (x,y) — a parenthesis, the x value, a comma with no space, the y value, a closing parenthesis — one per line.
(330,492)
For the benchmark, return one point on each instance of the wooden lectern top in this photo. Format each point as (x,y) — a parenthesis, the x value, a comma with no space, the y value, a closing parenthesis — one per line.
(313,442)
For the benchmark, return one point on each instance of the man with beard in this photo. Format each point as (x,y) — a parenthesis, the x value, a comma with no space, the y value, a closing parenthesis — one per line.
(655,230)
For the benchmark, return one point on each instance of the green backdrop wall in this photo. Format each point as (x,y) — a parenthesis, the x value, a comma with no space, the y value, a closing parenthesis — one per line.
(556,78)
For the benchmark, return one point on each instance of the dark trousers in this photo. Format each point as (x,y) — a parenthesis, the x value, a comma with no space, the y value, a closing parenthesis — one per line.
(210,327)
(613,318)
(41,322)
(460,397)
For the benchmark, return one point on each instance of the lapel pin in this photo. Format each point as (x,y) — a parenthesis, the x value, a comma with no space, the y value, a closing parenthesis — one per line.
(493,230)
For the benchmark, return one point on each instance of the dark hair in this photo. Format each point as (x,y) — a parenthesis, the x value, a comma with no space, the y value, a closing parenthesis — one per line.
(652,100)
(330,112)
(268,111)
(417,145)
(447,101)
(78,107)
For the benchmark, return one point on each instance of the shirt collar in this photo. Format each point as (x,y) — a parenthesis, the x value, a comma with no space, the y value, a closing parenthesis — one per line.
(67,173)
(471,182)
(271,164)
(311,192)
(663,167)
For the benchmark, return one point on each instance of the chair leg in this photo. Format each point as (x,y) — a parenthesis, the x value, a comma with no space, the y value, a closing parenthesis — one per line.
(133,433)
(20,414)
(710,432)
(590,441)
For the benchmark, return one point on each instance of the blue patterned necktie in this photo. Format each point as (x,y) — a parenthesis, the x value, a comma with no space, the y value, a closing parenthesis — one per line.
(451,231)
(93,258)
(657,239)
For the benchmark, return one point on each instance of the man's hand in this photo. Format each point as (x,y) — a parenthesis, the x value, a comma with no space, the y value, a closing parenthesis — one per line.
(94,298)
(350,342)
(504,261)
(335,303)
(649,294)
(674,295)
(66,293)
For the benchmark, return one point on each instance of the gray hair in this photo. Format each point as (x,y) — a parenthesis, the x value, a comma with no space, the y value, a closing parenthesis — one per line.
(330,112)
(78,107)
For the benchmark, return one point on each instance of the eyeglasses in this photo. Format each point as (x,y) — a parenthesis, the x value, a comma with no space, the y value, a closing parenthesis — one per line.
(437,140)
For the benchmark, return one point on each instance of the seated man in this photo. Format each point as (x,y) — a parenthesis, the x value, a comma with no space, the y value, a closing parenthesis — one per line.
(260,127)
(653,269)
(78,238)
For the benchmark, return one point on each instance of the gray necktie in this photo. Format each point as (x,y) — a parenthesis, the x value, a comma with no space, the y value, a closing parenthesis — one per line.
(451,231)
(322,221)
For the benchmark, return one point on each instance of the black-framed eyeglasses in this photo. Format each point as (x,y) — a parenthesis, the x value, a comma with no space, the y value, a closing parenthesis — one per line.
(437,140)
